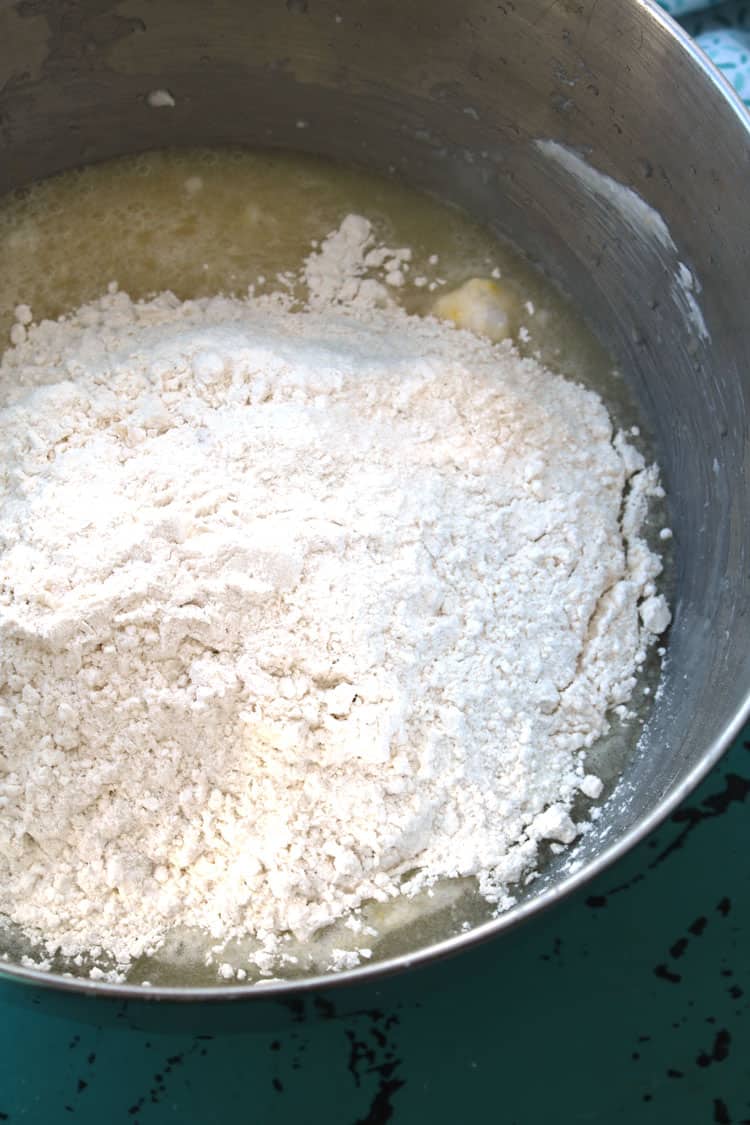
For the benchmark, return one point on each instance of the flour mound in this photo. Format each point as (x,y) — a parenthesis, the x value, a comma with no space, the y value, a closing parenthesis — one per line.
(293,604)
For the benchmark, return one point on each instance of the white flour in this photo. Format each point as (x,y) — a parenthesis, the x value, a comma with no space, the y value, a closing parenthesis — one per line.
(293,604)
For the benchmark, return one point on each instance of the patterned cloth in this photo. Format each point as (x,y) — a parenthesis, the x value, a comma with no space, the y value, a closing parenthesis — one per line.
(722,30)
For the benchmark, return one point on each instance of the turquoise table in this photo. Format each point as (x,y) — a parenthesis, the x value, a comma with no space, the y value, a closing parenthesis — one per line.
(629,1004)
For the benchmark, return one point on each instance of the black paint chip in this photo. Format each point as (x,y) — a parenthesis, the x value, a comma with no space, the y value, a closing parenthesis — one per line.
(721,1113)
(381,1109)
(722,1044)
(596,902)
(664,973)
(719,1051)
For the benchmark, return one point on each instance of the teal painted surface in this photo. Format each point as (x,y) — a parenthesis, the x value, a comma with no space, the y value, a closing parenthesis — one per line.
(628,1004)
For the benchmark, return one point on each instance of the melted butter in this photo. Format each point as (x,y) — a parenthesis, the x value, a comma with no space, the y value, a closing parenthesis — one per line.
(200,222)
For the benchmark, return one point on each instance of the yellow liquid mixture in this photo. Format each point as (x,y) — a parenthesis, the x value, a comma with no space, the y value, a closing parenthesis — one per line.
(201,222)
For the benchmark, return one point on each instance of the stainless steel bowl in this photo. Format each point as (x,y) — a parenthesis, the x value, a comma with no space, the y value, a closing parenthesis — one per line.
(590,132)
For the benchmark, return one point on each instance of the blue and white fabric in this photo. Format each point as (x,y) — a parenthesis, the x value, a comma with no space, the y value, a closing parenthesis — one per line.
(722,30)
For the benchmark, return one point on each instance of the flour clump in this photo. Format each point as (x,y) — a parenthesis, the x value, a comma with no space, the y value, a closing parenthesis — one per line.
(299,608)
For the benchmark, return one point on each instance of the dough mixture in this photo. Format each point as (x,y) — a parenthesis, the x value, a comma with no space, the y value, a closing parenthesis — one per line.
(304,602)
